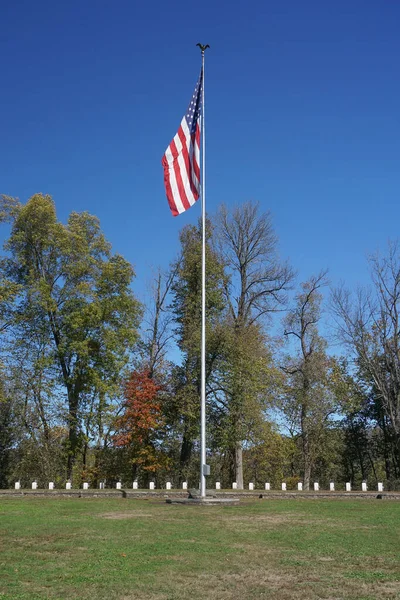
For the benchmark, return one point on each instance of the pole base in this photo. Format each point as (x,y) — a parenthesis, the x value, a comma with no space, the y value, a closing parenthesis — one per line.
(203,501)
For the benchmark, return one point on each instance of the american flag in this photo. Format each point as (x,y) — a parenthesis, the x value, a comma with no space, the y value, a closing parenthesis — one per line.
(181,161)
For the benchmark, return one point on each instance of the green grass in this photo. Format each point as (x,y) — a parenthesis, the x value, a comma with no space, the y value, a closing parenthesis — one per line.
(132,549)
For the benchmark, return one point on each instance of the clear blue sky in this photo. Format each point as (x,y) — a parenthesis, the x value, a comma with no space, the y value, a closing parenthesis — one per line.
(302,109)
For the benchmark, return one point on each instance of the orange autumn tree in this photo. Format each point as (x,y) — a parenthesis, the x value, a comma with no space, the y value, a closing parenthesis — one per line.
(138,428)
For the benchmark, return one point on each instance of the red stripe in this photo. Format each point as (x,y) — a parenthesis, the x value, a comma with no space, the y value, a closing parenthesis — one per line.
(185,156)
(198,134)
(178,176)
(168,189)
(188,157)
(196,166)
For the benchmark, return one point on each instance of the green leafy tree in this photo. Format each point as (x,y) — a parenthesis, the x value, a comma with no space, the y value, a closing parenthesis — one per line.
(74,302)
(242,390)
(184,406)
(269,459)
(366,450)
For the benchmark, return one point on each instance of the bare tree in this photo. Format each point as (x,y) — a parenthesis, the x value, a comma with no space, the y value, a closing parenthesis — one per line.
(256,287)
(158,319)
(259,280)
(307,402)
(370,326)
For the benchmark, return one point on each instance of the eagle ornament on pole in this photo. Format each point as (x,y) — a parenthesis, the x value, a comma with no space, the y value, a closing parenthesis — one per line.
(202,48)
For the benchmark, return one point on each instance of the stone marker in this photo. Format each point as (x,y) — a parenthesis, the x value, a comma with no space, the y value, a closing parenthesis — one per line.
(217,485)
(151,485)
(184,485)
(234,485)
(101,485)
(85,485)
(135,485)
(251,486)
(34,485)
(168,485)
(17,485)
(267,486)
(332,486)
(380,487)
(316,486)
(348,487)
(364,486)
(119,486)
(300,486)
(51,485)
(283,487)
(68,485)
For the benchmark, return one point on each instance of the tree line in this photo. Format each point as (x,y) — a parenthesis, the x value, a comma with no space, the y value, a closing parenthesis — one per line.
(89,389)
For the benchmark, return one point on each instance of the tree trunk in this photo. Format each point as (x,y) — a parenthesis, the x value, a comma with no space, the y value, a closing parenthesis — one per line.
(239,465)
(134,472)
(386,446)
(186,453)
(306,448)
(307,472)
(73,433)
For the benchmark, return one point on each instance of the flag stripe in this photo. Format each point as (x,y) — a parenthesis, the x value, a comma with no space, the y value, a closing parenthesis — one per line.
(179,170)
(171,186)
(197,152)
(185,140)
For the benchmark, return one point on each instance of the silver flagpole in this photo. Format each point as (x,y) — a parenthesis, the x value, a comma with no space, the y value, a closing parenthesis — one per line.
(203,466)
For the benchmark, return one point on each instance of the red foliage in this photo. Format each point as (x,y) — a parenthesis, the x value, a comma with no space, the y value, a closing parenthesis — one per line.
(142,410)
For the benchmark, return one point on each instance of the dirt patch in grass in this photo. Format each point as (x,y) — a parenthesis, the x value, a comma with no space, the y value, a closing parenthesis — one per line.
(233,585)
(276,519)
(123,515)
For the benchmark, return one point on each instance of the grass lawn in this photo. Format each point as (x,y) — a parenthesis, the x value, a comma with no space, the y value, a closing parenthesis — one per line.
(132,549)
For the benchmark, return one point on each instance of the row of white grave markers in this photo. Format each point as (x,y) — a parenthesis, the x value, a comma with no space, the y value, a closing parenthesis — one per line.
(85,485)
(364,487)
(135,486)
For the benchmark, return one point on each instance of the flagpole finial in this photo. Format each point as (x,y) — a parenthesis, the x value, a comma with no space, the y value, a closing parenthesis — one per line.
(202,48)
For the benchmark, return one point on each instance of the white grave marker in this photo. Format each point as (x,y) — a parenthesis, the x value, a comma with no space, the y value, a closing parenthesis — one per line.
(118,485)
(283,487)
(267,486)
(85,485)
(217,485)
(34,485)
(300,486)
(184,485)
(316,486)
(234,485)
(17,485)
(68,485)
(51,485)
(151,485)
(251,486)
(348,487)
(135,485)
(364,486)
(380,487)
(332,486)
(168,485)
